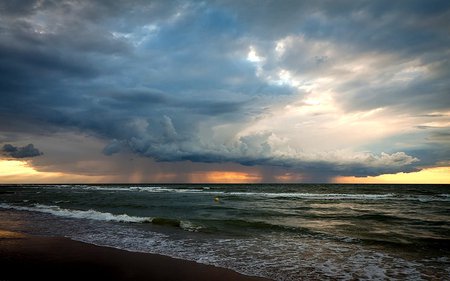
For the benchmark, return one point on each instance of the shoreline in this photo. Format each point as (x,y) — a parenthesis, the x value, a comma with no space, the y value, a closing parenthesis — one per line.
(25,257)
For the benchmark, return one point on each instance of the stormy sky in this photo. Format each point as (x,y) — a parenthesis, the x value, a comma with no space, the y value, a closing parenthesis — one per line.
(182,91)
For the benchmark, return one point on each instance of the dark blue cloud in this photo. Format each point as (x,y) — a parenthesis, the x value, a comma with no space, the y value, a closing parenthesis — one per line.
(164,79)
(21,152)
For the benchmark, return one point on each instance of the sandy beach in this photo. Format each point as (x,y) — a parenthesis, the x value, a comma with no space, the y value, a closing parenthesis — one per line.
(25,257)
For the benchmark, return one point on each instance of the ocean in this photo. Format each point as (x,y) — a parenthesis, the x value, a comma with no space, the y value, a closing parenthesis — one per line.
(279,231)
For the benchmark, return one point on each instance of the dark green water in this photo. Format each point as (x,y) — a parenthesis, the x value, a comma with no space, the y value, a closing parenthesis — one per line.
(286,232)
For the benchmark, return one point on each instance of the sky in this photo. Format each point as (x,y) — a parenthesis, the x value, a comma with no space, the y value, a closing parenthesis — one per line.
(225,91)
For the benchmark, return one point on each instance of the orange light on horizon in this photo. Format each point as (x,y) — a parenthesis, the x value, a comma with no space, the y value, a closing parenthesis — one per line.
(16,171)
(225,177)
(15,167)
(436,175)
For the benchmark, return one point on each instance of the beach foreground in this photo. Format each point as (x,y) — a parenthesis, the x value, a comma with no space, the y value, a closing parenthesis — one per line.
(57,258)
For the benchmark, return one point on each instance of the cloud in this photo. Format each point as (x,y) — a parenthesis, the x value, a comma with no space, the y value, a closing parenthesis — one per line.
(265,148)
(21,152)
(317,87)
(112,148)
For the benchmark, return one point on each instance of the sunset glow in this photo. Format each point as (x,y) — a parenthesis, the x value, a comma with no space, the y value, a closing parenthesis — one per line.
(233,91)
(13,168)
(12,171)
(224,177)
(437,175)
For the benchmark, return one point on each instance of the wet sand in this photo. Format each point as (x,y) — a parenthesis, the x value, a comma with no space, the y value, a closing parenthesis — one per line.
(24,257)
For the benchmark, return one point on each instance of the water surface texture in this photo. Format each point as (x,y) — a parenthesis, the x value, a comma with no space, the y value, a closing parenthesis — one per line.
(284,232)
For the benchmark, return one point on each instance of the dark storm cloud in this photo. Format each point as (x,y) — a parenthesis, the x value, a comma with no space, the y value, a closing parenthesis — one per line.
(112,148)
(407,30)
(404,26)
(21,152)
(15,8)
(157,77)
(421,94)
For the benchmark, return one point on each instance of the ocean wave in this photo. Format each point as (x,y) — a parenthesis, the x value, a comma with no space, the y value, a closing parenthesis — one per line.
(156,189)
(163,221)
(274,195)
(338,196)
(243,224)
(104,216)
(77,214)
(443,197)
(320,196)
(207,190)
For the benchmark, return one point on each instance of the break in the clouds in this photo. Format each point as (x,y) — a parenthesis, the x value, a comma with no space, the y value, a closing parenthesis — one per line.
(315,87)
(21,152)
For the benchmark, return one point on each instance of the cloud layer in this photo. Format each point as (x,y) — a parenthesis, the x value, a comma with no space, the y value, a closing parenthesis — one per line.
(21,152)
(317,88)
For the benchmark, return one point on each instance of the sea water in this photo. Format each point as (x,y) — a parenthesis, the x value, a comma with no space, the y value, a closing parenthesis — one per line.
(284,232)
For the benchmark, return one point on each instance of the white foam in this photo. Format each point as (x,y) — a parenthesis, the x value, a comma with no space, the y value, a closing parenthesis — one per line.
(189,226)
(279,256)
(100,188)
(207,190)
(320,196)
(330,196)
(78,214)
(155,189)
